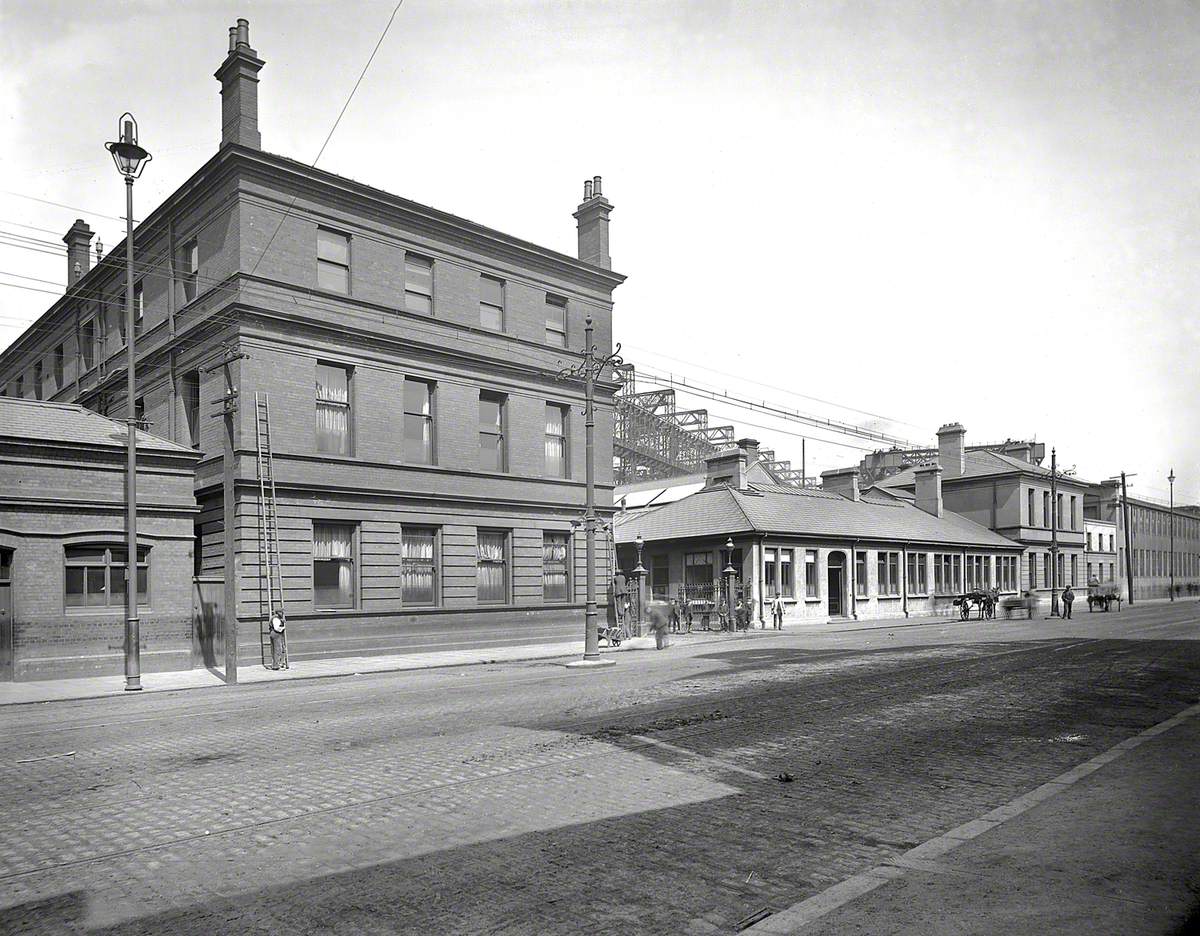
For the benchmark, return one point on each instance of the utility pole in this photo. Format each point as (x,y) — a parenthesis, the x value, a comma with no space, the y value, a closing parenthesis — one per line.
(1128,537)
(1171,479)
(588,370)
(1053,532)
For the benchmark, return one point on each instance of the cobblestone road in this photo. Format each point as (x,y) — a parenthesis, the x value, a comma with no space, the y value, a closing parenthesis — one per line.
(529,799)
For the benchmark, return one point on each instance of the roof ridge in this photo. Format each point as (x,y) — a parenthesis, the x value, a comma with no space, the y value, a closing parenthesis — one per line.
(741,509)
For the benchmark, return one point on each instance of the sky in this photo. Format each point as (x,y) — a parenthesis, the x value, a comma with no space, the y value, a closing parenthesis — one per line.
(893,214)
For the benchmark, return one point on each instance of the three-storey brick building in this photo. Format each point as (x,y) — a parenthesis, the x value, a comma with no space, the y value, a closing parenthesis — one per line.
(428,463)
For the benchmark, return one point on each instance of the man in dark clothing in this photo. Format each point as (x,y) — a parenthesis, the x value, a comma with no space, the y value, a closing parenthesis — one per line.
(1068,599)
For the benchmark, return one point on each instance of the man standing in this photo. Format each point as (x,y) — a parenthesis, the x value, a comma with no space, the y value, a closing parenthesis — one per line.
(1068,597)
(278,645)
(777,612)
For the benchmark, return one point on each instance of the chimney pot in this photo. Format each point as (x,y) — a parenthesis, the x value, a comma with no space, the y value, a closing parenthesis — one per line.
(243,32)
(587,189)
(99,250)
(79,256)
(232,38)
(596,186)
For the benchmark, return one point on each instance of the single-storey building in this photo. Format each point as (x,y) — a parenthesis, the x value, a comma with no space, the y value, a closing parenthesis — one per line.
(63,550)
(830,552)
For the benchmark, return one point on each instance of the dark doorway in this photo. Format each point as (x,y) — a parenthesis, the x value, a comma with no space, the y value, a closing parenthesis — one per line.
(6,617)
(836,583)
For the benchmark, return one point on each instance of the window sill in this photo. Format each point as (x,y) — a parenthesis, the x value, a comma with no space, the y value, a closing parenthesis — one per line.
(888,597)
(813,600)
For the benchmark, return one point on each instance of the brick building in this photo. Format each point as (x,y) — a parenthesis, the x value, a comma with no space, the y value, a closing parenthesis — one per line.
(63,549)
(1008,492)
(1150,540)
(428,463)
(833,552)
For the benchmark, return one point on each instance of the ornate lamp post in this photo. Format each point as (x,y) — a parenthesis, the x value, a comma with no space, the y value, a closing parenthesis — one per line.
(729,572)
(1171,479)
(639,576)
(130,159)
(588,370)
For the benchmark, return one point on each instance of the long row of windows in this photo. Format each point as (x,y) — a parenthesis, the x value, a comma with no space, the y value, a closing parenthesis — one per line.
(1048,578)
(947,571)
(1147,522)
(1096,542)
(335,261)
(335,423)
(1154,563)
(336,559)
(1066,511)
(1101,572)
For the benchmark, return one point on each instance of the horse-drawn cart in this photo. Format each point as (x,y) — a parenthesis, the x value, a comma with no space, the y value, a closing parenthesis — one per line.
(1010,604)
(1102,595)
(983,603)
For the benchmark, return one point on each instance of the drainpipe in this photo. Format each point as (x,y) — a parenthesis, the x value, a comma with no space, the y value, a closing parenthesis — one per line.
(853,578)
(904,577)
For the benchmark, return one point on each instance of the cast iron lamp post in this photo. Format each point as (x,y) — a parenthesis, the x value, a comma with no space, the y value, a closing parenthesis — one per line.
(588,370)
(131,159)
(729,572)
(639,573)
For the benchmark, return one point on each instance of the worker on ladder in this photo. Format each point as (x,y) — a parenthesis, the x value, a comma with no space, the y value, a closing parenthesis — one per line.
(278,640)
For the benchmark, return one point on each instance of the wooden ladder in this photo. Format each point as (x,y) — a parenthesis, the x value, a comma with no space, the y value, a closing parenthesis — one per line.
(270,585)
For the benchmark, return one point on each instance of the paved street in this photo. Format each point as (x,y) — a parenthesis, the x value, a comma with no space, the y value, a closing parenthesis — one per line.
(525,798)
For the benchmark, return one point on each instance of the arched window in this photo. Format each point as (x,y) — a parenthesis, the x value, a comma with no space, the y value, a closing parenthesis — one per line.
(95,576)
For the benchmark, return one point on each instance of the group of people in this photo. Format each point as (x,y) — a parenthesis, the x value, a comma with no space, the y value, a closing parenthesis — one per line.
(682,615)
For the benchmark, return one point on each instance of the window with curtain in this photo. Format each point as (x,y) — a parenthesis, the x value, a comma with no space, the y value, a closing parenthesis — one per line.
(418,284)
(810,573)
(787,576)
(861,584)
(491,569)
(333,566)
(190,391)
(418,422)
(188,271)
(491,431)
(95,576)
(87,343)
(333,261)
(555,570)
(418,560)
(556,321)
(491,303)
(918,574)
(556,441)
(333,409)
(770,583)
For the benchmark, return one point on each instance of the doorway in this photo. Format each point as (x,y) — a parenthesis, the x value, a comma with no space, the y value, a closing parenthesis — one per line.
(836,582)
(6,617)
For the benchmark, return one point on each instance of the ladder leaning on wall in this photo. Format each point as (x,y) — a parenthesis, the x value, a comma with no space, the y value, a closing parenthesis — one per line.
(270,586)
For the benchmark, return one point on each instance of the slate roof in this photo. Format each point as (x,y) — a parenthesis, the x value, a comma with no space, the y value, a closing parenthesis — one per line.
(42,421)
(803,512)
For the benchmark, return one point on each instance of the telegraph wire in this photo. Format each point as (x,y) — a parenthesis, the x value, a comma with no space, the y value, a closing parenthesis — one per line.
(46,201)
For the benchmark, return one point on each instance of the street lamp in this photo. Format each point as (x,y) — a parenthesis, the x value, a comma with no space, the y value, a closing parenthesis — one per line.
(729,572)
(588,370)
(1171,479)
(130,159)
(639,575)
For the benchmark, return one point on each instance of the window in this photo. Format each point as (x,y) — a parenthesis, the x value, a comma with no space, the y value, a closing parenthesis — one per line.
(947,573)
(418,566)
(556,579)
(1006,573)
(333,261)
(1090,574)
(1058,511)
(697,568)
(491,431)
(787,580)
(491,303)
(188,270)
(418,284)
(190,392)
(87,343)
(418,422)
(139,413)
(557,465)
(1046,509)
(660,578)
(1031,521)
(918,574)
(770,580)
(810,573)
(121,314)
(861,585)
(39,378)
(1032,571)
(333,409)
(1061,578)
(888,567)
(95,576)
(60,358)
(1089,542)
(556,321)
(333,566)
(19,386)
(1074,511)
(491,569)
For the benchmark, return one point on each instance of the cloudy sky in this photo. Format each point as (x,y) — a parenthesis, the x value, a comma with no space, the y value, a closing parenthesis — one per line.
(894,214)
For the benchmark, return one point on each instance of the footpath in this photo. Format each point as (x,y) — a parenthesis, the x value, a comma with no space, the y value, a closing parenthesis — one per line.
(1108,847)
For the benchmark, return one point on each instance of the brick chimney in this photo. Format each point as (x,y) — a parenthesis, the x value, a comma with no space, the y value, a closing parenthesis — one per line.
(79,250)
(952,450)
(929,488)
(238,75)
(750,447)
(592,217)
(726,468)
(842,481)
